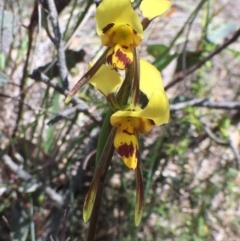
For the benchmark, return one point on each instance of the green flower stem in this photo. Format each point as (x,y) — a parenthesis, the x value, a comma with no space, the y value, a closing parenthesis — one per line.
(139,194)
(104,133)
(99,177)
(104,155)
(125,89)
(136,78)
(112,100)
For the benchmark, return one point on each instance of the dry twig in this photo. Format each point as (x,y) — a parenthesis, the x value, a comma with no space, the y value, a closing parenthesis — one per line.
(27,177)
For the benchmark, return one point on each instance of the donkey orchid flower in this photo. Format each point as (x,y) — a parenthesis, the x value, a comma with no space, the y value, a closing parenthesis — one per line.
(120,29)
(134,120)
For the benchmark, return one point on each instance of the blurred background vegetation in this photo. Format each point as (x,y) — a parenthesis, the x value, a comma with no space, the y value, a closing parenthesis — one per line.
(47,150)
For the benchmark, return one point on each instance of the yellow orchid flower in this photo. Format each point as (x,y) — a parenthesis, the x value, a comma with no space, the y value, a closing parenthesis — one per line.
(119,27)
(121,31)
(134,119)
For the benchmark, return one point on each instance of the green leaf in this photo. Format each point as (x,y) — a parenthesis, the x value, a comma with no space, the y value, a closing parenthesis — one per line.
(19,222)
(190,59)
(3,79)
(157,49)
(8,27)
(103,164)
(90,199)
(160,52)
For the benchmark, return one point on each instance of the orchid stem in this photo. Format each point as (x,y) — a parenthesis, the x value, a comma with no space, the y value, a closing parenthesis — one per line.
(136,78)
(95,213)
(105,150)
(108,148)
(125,89)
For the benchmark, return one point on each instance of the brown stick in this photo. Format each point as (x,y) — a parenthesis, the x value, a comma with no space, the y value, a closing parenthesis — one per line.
(193,68)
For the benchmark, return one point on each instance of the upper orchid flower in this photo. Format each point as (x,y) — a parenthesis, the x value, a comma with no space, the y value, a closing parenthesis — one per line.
(119,28)
(133,119)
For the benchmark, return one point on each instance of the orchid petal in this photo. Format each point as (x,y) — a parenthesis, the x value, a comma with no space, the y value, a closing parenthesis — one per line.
(153,8)
(106,80)
(157,108)
(118,13)
(150,78)
(126,143)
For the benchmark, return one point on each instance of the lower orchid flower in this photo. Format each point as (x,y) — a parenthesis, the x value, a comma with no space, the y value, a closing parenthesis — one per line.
(134,120)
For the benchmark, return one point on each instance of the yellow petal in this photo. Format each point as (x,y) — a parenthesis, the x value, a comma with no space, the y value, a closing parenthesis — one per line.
(150,78)
(118,12)
(106,80)
(120,34)
(126,143)
(119,57)
(153,8)
(156,110)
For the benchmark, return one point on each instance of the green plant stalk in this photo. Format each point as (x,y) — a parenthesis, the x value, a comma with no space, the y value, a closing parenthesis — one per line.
(51,129)
(32,225)
(100,175)
(125,89)
(63,137)
(94,217)
(136,78)
(70,18)
(180,32)
(89,4)
(105,142)
(157,148)
(102,139)
(207,21)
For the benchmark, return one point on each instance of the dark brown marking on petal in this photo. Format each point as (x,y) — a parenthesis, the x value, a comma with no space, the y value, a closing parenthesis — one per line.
(123,58)
(135,32)
(128,133)
(105,29)
(124,46)
(126,150)
(152,122)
